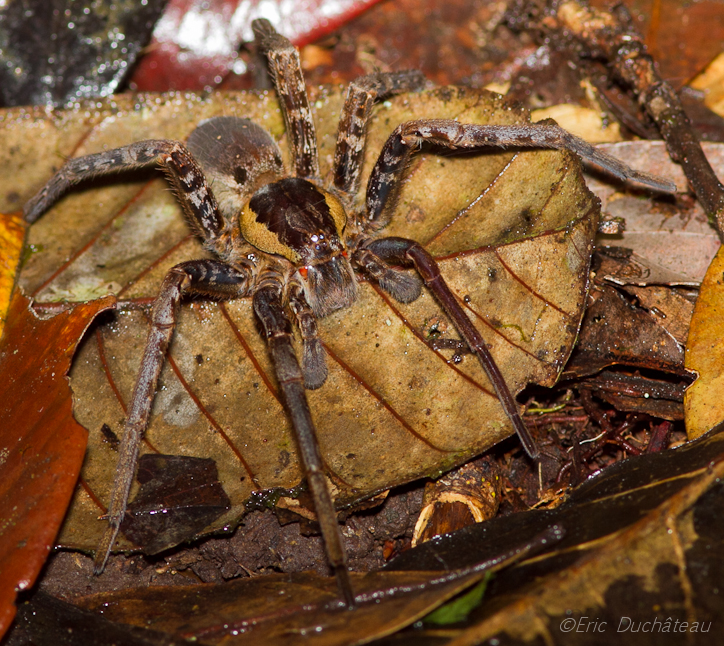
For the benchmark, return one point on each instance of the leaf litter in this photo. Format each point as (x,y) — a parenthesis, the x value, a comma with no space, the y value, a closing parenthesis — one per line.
(414,213)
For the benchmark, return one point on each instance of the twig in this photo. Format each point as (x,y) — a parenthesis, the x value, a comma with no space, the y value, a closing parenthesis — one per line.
(612,37)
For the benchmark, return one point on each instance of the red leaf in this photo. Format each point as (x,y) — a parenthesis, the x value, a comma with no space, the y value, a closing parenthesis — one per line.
(195,42)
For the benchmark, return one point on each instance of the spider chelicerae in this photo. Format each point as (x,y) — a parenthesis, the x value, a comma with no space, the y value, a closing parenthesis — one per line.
(296,247)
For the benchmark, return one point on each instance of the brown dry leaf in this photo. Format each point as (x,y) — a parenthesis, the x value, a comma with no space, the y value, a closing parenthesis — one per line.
(671,307)
(615,332)
(703,403)
(283,609)
(676,235)
(513,234)
(41,445)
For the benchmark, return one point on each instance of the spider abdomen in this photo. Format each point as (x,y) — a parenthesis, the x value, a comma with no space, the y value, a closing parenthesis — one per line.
(238,157)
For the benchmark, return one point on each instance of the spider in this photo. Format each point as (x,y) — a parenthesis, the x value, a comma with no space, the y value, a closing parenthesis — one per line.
(296,247)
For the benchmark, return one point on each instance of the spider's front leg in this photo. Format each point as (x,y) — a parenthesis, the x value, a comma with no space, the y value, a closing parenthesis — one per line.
(286,71)
(404,252)
(313,360)
(362,93)
(205,277)
(277,328)
(182,170)
(383,185)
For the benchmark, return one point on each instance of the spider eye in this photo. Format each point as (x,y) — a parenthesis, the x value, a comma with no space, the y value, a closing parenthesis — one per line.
(304,271)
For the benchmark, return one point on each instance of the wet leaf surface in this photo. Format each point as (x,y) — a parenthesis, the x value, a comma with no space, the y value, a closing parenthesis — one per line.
(518,260)
(642,542)
(656,397)
(284,609)
(177,498)
(41,445)
(44,620)
(57,52)
(281,609)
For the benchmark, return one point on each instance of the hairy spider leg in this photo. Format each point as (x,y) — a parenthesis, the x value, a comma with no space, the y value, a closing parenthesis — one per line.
(207,277)
(315,367)
(182,170)
(383,186)
(286,71)
(361,95)
(269,308)
(399,284)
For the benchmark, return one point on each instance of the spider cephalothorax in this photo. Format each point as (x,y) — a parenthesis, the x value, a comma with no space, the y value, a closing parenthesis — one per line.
(297,246)
(296,219)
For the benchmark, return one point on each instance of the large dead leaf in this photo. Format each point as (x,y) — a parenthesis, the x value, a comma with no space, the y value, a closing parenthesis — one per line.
(41,445)
(513,234)
(280,609)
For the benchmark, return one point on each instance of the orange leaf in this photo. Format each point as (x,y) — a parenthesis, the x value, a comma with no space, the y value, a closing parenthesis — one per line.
(12,234)
(41,445)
